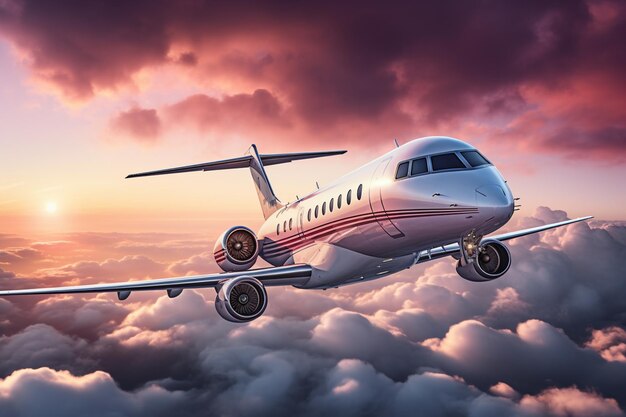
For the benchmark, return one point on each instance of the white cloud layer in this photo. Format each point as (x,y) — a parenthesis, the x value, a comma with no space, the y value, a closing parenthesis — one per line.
(545,340)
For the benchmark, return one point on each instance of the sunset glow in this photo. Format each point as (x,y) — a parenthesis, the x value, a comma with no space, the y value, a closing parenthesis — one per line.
(51,207)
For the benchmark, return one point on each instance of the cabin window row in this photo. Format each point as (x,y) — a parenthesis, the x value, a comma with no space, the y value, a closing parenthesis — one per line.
(331,204)
(442,162)
(321,210)
(284,226)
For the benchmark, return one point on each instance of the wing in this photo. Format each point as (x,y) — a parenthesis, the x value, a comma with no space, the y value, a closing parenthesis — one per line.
(282,275)
(453,248)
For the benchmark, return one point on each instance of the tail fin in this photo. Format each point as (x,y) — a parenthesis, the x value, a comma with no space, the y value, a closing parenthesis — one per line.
(256,162)
(269,202)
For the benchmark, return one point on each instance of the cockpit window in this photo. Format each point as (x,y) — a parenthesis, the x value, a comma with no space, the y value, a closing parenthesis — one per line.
(403,170)
(418,166)
(474,158)
(446,161)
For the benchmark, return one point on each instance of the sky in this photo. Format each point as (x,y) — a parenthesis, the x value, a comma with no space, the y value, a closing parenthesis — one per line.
(91,91)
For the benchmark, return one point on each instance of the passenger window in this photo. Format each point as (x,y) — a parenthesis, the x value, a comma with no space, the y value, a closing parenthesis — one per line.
(308,216)
(277,229)
(403,170)
(290,223)
(324,208)
(317,211)
(330,206)
(446,161)
(285,226)
(349,197)
(359,192)
(418,166)
(474,158)
(339,202)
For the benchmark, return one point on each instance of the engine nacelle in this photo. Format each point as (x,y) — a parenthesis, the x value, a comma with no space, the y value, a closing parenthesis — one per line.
(241,299)
(492,261)
(237,249)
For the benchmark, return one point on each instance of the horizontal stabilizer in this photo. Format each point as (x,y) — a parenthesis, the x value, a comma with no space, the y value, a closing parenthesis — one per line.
(240,162)
(283,158)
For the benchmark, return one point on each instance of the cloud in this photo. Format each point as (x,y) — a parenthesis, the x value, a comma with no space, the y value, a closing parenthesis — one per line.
(347,334)
(165,248)
(141,124)
(350,388)
(504,390)
(131,266)
(95,394)
(543,340)
(166,312)
(41,345)
(195,264)
(469,345)
(6,274)
(77,316)
(610,342)
(187,58)
(207,112)
(527,77)
(11,240)
(571,402)
(18,255)
(259,114)
(81,49)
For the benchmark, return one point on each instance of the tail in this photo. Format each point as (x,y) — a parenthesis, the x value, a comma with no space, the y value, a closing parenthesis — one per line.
(256,162)
(269,202)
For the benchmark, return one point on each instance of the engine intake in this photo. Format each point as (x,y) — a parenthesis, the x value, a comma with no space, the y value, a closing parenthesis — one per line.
(237,249)
(491,261)
(241,299)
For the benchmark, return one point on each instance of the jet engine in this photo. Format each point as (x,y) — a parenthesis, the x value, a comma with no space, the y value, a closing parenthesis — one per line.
(490,261)
(236,249)
(241,299)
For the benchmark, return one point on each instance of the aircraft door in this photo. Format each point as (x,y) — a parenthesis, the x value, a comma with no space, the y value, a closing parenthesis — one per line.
(376,200)
(300,223)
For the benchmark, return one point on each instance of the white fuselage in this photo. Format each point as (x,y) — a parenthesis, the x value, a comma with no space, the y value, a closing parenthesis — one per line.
(369,224)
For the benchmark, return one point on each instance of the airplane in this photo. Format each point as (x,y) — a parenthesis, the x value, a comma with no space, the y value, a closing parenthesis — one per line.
(430,198)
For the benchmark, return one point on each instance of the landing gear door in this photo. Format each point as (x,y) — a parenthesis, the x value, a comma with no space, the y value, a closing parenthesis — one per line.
(378,183)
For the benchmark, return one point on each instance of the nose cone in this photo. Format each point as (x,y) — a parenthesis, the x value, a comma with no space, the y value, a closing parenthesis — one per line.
(492,195)
(496,201)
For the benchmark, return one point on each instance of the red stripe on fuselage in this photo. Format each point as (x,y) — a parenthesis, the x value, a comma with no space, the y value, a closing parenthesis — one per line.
(283,248)
(380,215)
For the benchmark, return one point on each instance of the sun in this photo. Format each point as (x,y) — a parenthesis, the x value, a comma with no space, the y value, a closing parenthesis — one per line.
(51,207)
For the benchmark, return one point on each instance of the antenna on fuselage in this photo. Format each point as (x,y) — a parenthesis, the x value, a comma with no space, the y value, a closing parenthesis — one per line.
(396,142)
(317,185)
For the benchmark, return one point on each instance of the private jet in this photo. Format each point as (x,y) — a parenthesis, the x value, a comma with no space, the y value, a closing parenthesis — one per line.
(427,199)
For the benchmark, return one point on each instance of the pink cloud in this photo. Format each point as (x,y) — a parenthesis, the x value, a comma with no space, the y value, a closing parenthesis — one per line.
(504,390)
(610,343)
(143,125)
(571,402)
(546,78)
(128,267)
